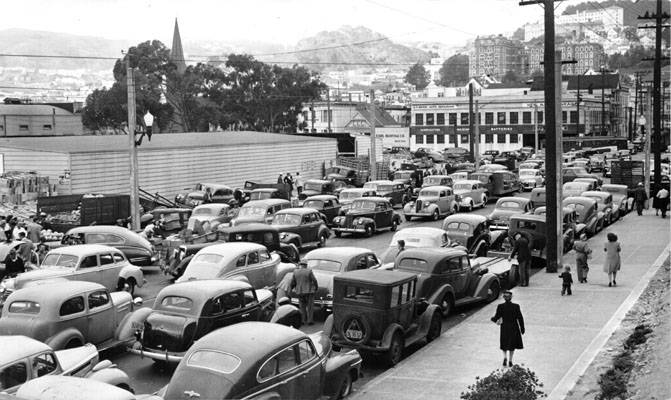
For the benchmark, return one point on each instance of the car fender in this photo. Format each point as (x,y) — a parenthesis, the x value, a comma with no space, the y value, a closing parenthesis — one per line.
(465,200)
(367,221)
(107,372)
(125,330)
(267,396)
(291,238)
(437,296)
(238,277)
(288,315)
(389,333)
(397,218)
(426,317)
(324,230)
(131,271)
(483,284)
(337,366)
(59,340)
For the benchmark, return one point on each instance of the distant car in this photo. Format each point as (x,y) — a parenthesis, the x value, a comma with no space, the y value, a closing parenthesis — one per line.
(570,173)
(314,187)
(347,196)
(537,197)
(67,314)
(490,154)
(414,237)
(168,221)
(327,204)
(432,202)
(569,226)
(470,231)
(531,164)
(192,197)
(594,184)
(604,201)
(302,227)
(259,360)
(505,208)
(349,176)
(589,218)
(459,176)
(404,177)
(573,188)
(259,211)
(367,215)
(471,193)
(394,191)
(185,312)
(531,178)
(138,250)
(210,215)
(23,359)
(583,163)
(620,197)
(75,388)
(492,168)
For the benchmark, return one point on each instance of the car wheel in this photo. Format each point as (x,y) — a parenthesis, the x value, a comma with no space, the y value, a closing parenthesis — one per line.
(72,343)
(446,305)
(395,352)
(408,218)
(322,240)
(125,387)
(126,285)
(470,206)
(435,216)
(493,291)
(369,231)
(484,201)
(434,328)
(345,387)
(394,225)
(337,234)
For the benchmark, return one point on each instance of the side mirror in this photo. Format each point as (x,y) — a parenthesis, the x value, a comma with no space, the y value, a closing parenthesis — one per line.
(138,301)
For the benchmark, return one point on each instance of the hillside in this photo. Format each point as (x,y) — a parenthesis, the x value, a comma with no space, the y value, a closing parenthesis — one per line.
(631,9)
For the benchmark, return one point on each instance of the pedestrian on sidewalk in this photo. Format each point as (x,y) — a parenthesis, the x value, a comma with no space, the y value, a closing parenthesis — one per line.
(640,197)
(509,317)
(661,201)
(280,179)
(299,183)
(305,285)
(612,263)
(567,280)
(582,254)
(523,251)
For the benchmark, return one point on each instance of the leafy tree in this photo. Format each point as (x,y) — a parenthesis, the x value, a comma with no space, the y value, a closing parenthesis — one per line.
(418,76)
(511,78)
(454,71)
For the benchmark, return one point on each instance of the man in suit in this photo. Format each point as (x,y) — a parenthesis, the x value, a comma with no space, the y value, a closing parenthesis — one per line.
(509,317)
(305,286)
(523,251)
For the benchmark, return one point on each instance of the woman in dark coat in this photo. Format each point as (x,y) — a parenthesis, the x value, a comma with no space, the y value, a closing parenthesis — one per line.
(509,316)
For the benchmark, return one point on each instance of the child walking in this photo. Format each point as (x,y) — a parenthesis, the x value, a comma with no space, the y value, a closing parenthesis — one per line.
(567,280)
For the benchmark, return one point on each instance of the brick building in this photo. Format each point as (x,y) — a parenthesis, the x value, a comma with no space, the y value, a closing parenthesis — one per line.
(496,55)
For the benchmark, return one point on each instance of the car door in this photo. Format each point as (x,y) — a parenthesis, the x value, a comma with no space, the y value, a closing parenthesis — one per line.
(43,364)
(110,267)
(276,374)
(100,316)
(72,314)
(383,214)
(443,202)
(310,371)
(13,375)
(328,210)
(454,274)
(88,270)
(251,308)
(308,228)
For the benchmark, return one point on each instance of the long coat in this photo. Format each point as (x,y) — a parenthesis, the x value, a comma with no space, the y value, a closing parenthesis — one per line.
(612,262)
(512,326)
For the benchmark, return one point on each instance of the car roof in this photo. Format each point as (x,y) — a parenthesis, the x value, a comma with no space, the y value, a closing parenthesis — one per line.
(335,253)
(211,206)
(250,227)
(203,289)
(438,176)
(356,190)
(265,190)
(381,181)
(424,231)
(297,210)
(596,193)
(14,347)
(58,387)
(373,198)
(515,199)
(436,187)
(215,186)
(80,250)
(469,181)
(323,197)
(265,202)
(322,181)
(431,254)
(51,293)
(231,249)
(533,217)
(376,276)
(472,219)
(578,200)
(157,211)
(120,230)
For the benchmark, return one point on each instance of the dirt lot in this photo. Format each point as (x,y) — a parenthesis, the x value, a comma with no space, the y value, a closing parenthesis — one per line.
(650,379)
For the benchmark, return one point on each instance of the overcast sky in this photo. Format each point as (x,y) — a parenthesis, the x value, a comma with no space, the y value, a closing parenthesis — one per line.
(277,21)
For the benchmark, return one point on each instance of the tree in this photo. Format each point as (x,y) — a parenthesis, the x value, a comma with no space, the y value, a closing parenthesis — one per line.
(511,78)
(418,76)
(454,71)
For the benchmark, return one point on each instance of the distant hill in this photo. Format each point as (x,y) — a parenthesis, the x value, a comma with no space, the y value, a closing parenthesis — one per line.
(371,47)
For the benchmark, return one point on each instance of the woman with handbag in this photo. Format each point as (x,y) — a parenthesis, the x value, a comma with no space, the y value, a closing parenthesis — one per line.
(509,317)
(582,254)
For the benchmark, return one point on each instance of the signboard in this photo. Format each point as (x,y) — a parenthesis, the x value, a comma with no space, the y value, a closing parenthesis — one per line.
(484,130)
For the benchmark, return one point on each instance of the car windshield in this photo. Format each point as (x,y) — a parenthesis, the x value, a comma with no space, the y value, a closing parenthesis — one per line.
(286,219)
(512,205)
(575,186)
(203,211)
(223,363)
(458,226)
(324,265)
(59,260)
(412,264)
(251,211)
(313,186)
(384,188)
(350,195)
(433,180)
(370,185)
(260,195)
(577,207)
(428,193)
(363,205)
(207,258)
(176,303)
(402,175)
(528,172)
(462,186)
(24,307)
(316,204)
(580,171)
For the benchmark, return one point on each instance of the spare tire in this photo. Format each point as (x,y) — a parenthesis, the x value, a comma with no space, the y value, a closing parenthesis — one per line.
(355,329)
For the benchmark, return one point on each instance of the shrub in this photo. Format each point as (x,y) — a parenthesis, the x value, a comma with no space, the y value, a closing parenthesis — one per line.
(515,383)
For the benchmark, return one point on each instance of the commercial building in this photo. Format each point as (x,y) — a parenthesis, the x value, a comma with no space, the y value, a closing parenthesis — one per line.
(496,55)
(38,120)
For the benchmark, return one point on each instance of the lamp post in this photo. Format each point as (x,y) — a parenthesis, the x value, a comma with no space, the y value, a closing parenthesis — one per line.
(148,119)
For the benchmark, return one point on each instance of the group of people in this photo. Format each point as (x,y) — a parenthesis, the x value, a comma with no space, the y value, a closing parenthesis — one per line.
(296,182)
(660,202)
(31,247)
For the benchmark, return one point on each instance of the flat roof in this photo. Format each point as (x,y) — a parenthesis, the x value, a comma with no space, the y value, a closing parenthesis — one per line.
(112,143)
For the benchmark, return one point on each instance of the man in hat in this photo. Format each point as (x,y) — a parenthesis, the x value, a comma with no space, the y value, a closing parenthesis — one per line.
(522,249)
(639,198)
(305,286)
(509,317)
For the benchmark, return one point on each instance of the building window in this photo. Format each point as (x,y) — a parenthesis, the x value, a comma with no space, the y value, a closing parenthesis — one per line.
(464,138)
(453,118)
(574,117)
(540,117)
(464,118)
(563,117)
(2,128)
(419,119)
(429,119)
(489,138)
(429,139)
(513,138)
(489,118)
(453,138)
(526,117)
(514,118)
(500,138)
(419,139)
(501,118)
(46,127)
(23,127)
(440,139)
(440,119)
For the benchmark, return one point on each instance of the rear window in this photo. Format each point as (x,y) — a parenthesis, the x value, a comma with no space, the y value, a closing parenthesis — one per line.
(360,294)
(208,258)
(176,303)
(412,264)
(324,265)
(458,226)
(509,204)
(223,363)
(24,307)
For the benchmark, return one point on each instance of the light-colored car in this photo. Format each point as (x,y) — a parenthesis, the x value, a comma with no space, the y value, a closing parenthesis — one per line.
(492,168)
(414,237)
(472,193)
(74,388)
(23,359)
(459,176)
(531,164)
(432,202)
(621,197)
(250,262)
(573,189)
(260,211)
(85,262)
(604,202)
(347,196)
(593,183)
(505,208)
(531,178)
(68,314)
(210,215)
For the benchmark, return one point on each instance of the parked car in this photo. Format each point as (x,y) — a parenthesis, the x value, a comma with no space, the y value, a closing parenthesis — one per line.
(67,314)
(313,187)
(432,202)
(378,311)
(620,197)
(414,237)
(571,173)
(531,164)
(86,262)
(23,359)
(192,197)
(446,277)
(75,388)
(347,196)
(531,178)
(185,312)
(490,154)
(583,163)
(589,219)
(537,197)
(138,250)
(569,226)
(499,182)
(459,176)
(250,262)
(302,227)
(394,191)
(471,231)
(367,215)
(259,211)
(472,193)
(206,217)
(259,360)
(404,177)
(573,188)
(345,174)
(594,184)
(168,221)
(505,208)
(269,193)
(328,205)
(604,202)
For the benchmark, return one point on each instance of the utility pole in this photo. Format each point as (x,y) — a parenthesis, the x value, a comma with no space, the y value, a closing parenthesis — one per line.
(328,108)
(476,136)
(535,128)
(637,76)
(603,101)
(471,115)
(373,154)
(648,140)
(553,142)
(132,149)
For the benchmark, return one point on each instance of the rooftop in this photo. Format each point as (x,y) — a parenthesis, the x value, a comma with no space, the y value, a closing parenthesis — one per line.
(31,109)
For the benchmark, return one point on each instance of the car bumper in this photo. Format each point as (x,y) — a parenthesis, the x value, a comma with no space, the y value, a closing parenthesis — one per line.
(418,214)
(156,355)
(529,185)
(371,346)
(349,230)
(498,225)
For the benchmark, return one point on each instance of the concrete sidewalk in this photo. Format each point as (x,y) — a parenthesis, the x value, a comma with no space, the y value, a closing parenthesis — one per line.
(563,333)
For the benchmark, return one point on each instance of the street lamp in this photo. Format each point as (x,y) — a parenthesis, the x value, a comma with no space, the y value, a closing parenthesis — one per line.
(148,123)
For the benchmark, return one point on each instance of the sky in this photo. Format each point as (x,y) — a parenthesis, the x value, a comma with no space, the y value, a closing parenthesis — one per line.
(275,21)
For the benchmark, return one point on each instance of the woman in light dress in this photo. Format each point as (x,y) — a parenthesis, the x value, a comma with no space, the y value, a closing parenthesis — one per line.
(612,263)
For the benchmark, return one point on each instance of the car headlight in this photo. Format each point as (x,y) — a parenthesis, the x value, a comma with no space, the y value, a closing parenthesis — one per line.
(426,205)
(359,221)
(338,220)
(283,235)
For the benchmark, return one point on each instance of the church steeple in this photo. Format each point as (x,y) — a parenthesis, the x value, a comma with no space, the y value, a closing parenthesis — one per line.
(177,53)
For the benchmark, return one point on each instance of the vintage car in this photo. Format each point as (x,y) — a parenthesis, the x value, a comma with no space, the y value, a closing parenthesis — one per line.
(259,211)
(404,177)
(604,202)
(620,197)
(394,191)
(583,163)
(432,180)
(259,360)
(490,154)
(471,231)
(505,208)
(347,196)
(589,219)
(569,227)
(378,311)
(594,184)
(499,182)
(531,178)
(23,359)
(433,202)
(331,261)
(492,167)
(85,262)
(459,176)
(67,314)
(472,193)
(446,277)
(574,188)
(345,174)
(168,221)
(250,262)
(531,164)
(537,197)
(534,227)
(192,197)
(313,187)
(206,217)
(367,215)
(75,388)
(302,227)
(571,173)
(414,237)
(457,155)
(328,205)
(185,312)
(138,250)
(269,193)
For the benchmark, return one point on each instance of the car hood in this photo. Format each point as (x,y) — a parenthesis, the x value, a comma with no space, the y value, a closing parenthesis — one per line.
(72,359)
(503,214)
(310,192)
(462,191)
(40,274)
(249,218)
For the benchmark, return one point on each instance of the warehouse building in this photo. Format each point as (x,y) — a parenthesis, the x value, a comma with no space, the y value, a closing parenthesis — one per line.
(38,120)
(168,163)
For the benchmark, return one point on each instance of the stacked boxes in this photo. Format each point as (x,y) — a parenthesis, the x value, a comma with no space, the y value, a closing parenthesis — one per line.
(18,187)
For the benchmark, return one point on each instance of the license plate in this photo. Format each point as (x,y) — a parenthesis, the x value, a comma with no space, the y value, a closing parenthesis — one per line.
(354,334)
